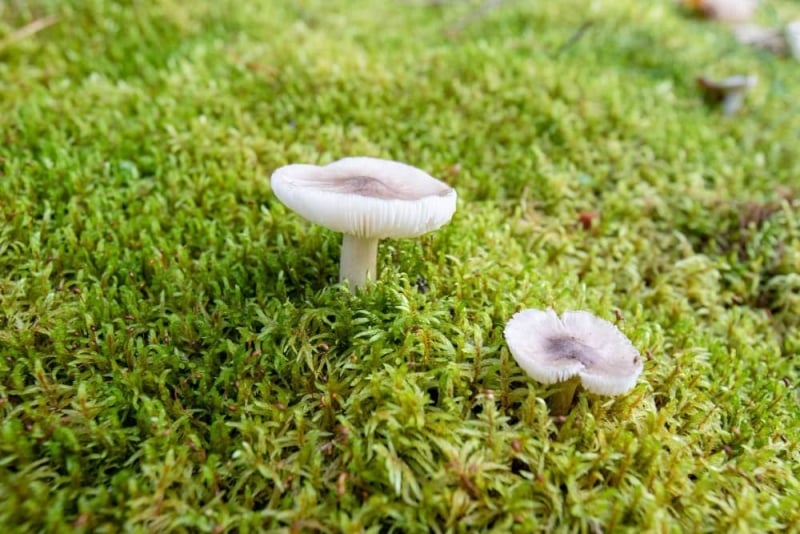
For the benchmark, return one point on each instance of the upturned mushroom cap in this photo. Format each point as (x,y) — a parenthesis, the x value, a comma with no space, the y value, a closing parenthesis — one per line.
(772,39)
(366,197)
(553,349)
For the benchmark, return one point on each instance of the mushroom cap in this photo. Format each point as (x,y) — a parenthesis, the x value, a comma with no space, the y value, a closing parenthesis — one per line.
(771,39)
(731,84)
(366,197)
(726,10)
(553,349)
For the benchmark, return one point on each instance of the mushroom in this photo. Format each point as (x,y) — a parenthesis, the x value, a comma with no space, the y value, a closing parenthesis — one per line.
(773,40)
(724,10)
(730,91)
(367,199)
(577,347)
(783,41)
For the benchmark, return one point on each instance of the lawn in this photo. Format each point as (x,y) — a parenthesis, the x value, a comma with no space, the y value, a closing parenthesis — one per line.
(177,355)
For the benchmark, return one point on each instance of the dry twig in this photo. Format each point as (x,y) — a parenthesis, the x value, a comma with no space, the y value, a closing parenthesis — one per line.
(576,36)
(26,31)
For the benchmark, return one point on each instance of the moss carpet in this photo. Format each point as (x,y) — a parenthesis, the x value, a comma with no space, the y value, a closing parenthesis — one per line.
(175,352)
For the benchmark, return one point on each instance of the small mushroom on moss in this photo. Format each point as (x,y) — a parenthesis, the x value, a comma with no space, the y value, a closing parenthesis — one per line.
(782,41)
(367,199)
(724,10)
(576,348)
(730,91)
(771,39)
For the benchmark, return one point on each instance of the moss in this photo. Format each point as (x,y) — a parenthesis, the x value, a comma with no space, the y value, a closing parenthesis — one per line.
(176,356)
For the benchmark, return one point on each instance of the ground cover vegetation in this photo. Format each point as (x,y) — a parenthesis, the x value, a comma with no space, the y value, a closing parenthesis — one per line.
(175,352)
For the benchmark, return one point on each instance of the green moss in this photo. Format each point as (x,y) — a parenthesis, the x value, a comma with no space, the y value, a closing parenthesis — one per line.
(176,356)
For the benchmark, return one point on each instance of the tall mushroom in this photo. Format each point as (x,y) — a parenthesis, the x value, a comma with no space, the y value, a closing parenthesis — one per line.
(730,91)
(367,199)
(577,347)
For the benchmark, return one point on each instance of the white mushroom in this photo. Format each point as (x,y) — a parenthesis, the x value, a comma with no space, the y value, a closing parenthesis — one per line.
(576,347)
(774,40)
(730,91)
(367,199)
(725,10)
(781,41)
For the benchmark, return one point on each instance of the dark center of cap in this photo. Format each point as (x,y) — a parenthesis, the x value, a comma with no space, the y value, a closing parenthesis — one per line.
(569,348)
(375,188)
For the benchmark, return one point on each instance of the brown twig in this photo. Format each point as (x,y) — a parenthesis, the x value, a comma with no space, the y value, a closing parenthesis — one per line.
(26,31)
(576,36)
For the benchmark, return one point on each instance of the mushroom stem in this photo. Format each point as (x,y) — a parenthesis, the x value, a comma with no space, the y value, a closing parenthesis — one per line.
(732,102)
(561,400)
(358,261)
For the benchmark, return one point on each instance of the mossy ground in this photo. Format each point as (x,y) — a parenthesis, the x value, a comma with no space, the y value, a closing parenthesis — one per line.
(176,355)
